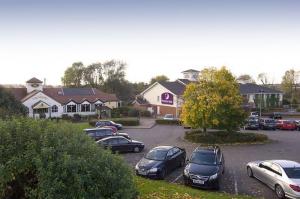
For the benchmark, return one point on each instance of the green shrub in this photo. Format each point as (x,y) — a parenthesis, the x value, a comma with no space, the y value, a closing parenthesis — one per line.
(44,159)
(66,117)
(223,137)
(168,122)
(76,118)
(145,113)
(133,112)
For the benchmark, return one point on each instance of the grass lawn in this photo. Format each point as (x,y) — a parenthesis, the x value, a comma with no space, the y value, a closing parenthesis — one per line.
(82,125)
(157,189)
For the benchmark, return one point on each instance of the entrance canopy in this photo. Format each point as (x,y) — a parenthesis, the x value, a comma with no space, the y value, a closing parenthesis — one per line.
(40,105)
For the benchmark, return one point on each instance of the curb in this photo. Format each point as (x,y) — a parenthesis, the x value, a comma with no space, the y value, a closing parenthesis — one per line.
(139,127)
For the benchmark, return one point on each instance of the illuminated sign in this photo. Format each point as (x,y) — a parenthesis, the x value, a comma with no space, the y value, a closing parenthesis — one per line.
(167,98)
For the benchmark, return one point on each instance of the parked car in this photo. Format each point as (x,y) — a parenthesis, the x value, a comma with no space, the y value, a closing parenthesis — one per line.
(276,116)
(111,127)
(169,117)
(121,144)
(251,124)
(160,161)
(254,114)
(286,125)
(100,133)
(108,123)
(267,124)
(204,168)
(297,122)
(283,176)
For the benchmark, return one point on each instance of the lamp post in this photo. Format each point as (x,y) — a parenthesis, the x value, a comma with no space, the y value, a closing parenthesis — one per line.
(261,98)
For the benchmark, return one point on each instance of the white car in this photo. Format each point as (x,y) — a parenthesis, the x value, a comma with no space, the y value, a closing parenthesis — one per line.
(283,176)
(169,117)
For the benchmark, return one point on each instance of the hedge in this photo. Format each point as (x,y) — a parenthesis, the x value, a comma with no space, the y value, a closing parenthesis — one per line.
(44,159)
(168,122)
(123,121)
(223,137)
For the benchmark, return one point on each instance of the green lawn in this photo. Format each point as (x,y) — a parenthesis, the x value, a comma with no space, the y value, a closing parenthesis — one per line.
(157,189)
(82,125)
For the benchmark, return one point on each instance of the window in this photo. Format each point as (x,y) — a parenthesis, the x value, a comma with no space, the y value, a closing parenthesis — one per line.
(54,109)
(85,107)
(170,153)
(71,108)
(276,169)
(123,141)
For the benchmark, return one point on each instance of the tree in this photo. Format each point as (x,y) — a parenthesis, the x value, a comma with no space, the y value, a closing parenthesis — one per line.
(9,105)
(263,78)
(289,84)
(245,79)
(73,76)
(44,159)
(159,78)
(213,101)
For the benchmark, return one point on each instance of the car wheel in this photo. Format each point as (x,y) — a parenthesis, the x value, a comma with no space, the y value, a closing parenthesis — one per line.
(162,174)
(249,172)
(279,192)
(136,149)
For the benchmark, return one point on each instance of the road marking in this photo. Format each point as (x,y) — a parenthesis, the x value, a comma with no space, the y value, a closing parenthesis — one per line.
(235,183)
(177,178)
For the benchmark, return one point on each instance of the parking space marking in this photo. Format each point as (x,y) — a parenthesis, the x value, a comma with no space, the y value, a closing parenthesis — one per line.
(235,183)
(177,178)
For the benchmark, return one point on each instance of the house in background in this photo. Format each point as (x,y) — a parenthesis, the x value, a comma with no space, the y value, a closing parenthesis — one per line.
(163,98)
(56,101)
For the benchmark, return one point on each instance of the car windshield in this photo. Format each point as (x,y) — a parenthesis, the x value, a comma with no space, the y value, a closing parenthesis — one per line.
(203,158)
(157,154)
(168,116)
(293,172)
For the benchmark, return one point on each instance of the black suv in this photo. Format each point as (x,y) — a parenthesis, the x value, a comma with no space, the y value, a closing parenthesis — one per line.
(205,167)
(100,133)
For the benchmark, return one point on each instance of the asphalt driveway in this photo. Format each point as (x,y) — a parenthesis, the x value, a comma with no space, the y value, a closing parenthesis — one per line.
(284,145)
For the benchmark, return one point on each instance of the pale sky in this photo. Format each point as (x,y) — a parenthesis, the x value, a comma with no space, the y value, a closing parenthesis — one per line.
(42,38)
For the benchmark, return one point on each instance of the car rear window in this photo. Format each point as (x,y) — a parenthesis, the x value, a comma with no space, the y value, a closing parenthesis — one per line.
(293,172)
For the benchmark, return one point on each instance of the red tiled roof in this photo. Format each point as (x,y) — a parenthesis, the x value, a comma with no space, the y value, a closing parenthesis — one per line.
(78,95)
(19,93)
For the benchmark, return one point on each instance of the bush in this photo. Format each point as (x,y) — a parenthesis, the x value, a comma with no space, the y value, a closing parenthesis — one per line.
(145,113)
(76,118)
(168,122)
(223,137)
(133,112)
(44,159)
(66,117)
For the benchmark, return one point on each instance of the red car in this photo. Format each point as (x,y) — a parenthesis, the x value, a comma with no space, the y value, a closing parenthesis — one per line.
(286,125)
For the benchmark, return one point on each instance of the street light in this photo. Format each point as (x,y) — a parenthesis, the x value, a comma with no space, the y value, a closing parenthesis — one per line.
(261,94)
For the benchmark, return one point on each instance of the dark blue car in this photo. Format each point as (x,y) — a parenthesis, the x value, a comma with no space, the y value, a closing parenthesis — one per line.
(160,161)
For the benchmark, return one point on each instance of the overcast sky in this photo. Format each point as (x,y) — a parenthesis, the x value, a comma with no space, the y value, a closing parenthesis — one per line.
(154,37)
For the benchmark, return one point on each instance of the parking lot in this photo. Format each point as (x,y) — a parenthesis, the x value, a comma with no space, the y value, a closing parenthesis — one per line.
(284,145)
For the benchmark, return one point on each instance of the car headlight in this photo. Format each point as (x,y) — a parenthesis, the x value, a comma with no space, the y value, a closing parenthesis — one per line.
(213,177)
(153,170)
(186,171)
(136,167)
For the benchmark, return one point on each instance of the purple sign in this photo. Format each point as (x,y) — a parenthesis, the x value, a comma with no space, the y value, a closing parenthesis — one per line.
(167,98)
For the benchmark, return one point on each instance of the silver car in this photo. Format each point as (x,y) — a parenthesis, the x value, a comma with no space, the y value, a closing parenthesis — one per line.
(283,176)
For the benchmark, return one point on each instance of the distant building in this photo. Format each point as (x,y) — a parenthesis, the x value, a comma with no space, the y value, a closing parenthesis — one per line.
(56,101)
(166,97)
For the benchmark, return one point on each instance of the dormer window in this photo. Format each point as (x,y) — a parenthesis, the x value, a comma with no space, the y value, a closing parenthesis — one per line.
(85,107)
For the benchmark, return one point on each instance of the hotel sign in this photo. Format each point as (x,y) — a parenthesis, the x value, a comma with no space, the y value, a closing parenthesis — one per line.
(167,98)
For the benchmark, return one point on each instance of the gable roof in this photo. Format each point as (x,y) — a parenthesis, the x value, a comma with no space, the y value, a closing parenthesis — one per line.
(184,81)
(254,88)
(190,70)
(79,95)
(34,80)
(175,87)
